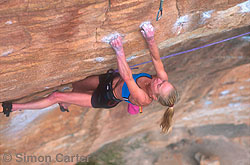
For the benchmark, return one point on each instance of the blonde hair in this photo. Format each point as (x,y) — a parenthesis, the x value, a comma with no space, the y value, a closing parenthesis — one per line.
(168,100)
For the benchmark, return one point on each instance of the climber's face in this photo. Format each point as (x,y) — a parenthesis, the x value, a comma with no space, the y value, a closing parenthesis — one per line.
(160,87)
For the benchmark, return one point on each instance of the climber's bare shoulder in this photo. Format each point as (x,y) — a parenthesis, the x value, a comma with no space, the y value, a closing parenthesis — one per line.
(146,101)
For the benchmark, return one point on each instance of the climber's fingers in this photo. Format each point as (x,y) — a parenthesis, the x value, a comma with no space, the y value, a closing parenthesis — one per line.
(143,33)
(147,30)
(147,27)
(116,43)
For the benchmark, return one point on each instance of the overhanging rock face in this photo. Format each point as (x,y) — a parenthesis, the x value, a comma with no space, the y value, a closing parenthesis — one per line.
(44,44)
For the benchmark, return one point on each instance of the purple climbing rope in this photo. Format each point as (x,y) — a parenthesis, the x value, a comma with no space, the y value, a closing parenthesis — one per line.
(191,50)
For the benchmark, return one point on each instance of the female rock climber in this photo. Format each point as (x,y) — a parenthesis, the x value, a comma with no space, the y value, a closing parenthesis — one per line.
(107,90)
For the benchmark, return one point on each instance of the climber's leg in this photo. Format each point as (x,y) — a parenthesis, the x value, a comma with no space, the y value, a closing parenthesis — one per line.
(81,99)
(88,84)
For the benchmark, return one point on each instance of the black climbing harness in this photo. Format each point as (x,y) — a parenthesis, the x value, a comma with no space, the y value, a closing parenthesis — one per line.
(159,14)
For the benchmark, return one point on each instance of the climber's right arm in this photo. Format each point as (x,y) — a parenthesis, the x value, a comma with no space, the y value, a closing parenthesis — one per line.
(123,66)
(138,95)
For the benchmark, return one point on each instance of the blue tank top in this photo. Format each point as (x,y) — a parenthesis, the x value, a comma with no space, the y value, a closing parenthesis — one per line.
(125,91)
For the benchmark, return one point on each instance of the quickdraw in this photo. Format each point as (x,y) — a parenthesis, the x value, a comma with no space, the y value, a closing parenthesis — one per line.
(159,14)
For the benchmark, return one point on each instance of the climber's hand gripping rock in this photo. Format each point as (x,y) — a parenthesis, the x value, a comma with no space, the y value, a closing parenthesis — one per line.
(116,44)
(147,31)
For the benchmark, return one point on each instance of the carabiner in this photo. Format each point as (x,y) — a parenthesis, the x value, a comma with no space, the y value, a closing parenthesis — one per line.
(159,11)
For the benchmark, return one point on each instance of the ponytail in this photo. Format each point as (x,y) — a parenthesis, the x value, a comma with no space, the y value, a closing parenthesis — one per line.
(167,119)
(169,101)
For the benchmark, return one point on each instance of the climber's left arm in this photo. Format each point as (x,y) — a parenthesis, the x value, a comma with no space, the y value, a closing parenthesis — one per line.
(148,33)
(158,65)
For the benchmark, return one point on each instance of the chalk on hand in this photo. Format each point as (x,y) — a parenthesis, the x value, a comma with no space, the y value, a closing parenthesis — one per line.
(109,37)
(147,24)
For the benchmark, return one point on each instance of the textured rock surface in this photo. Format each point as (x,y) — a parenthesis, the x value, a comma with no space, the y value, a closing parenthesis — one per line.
(46,44)
(50,43)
